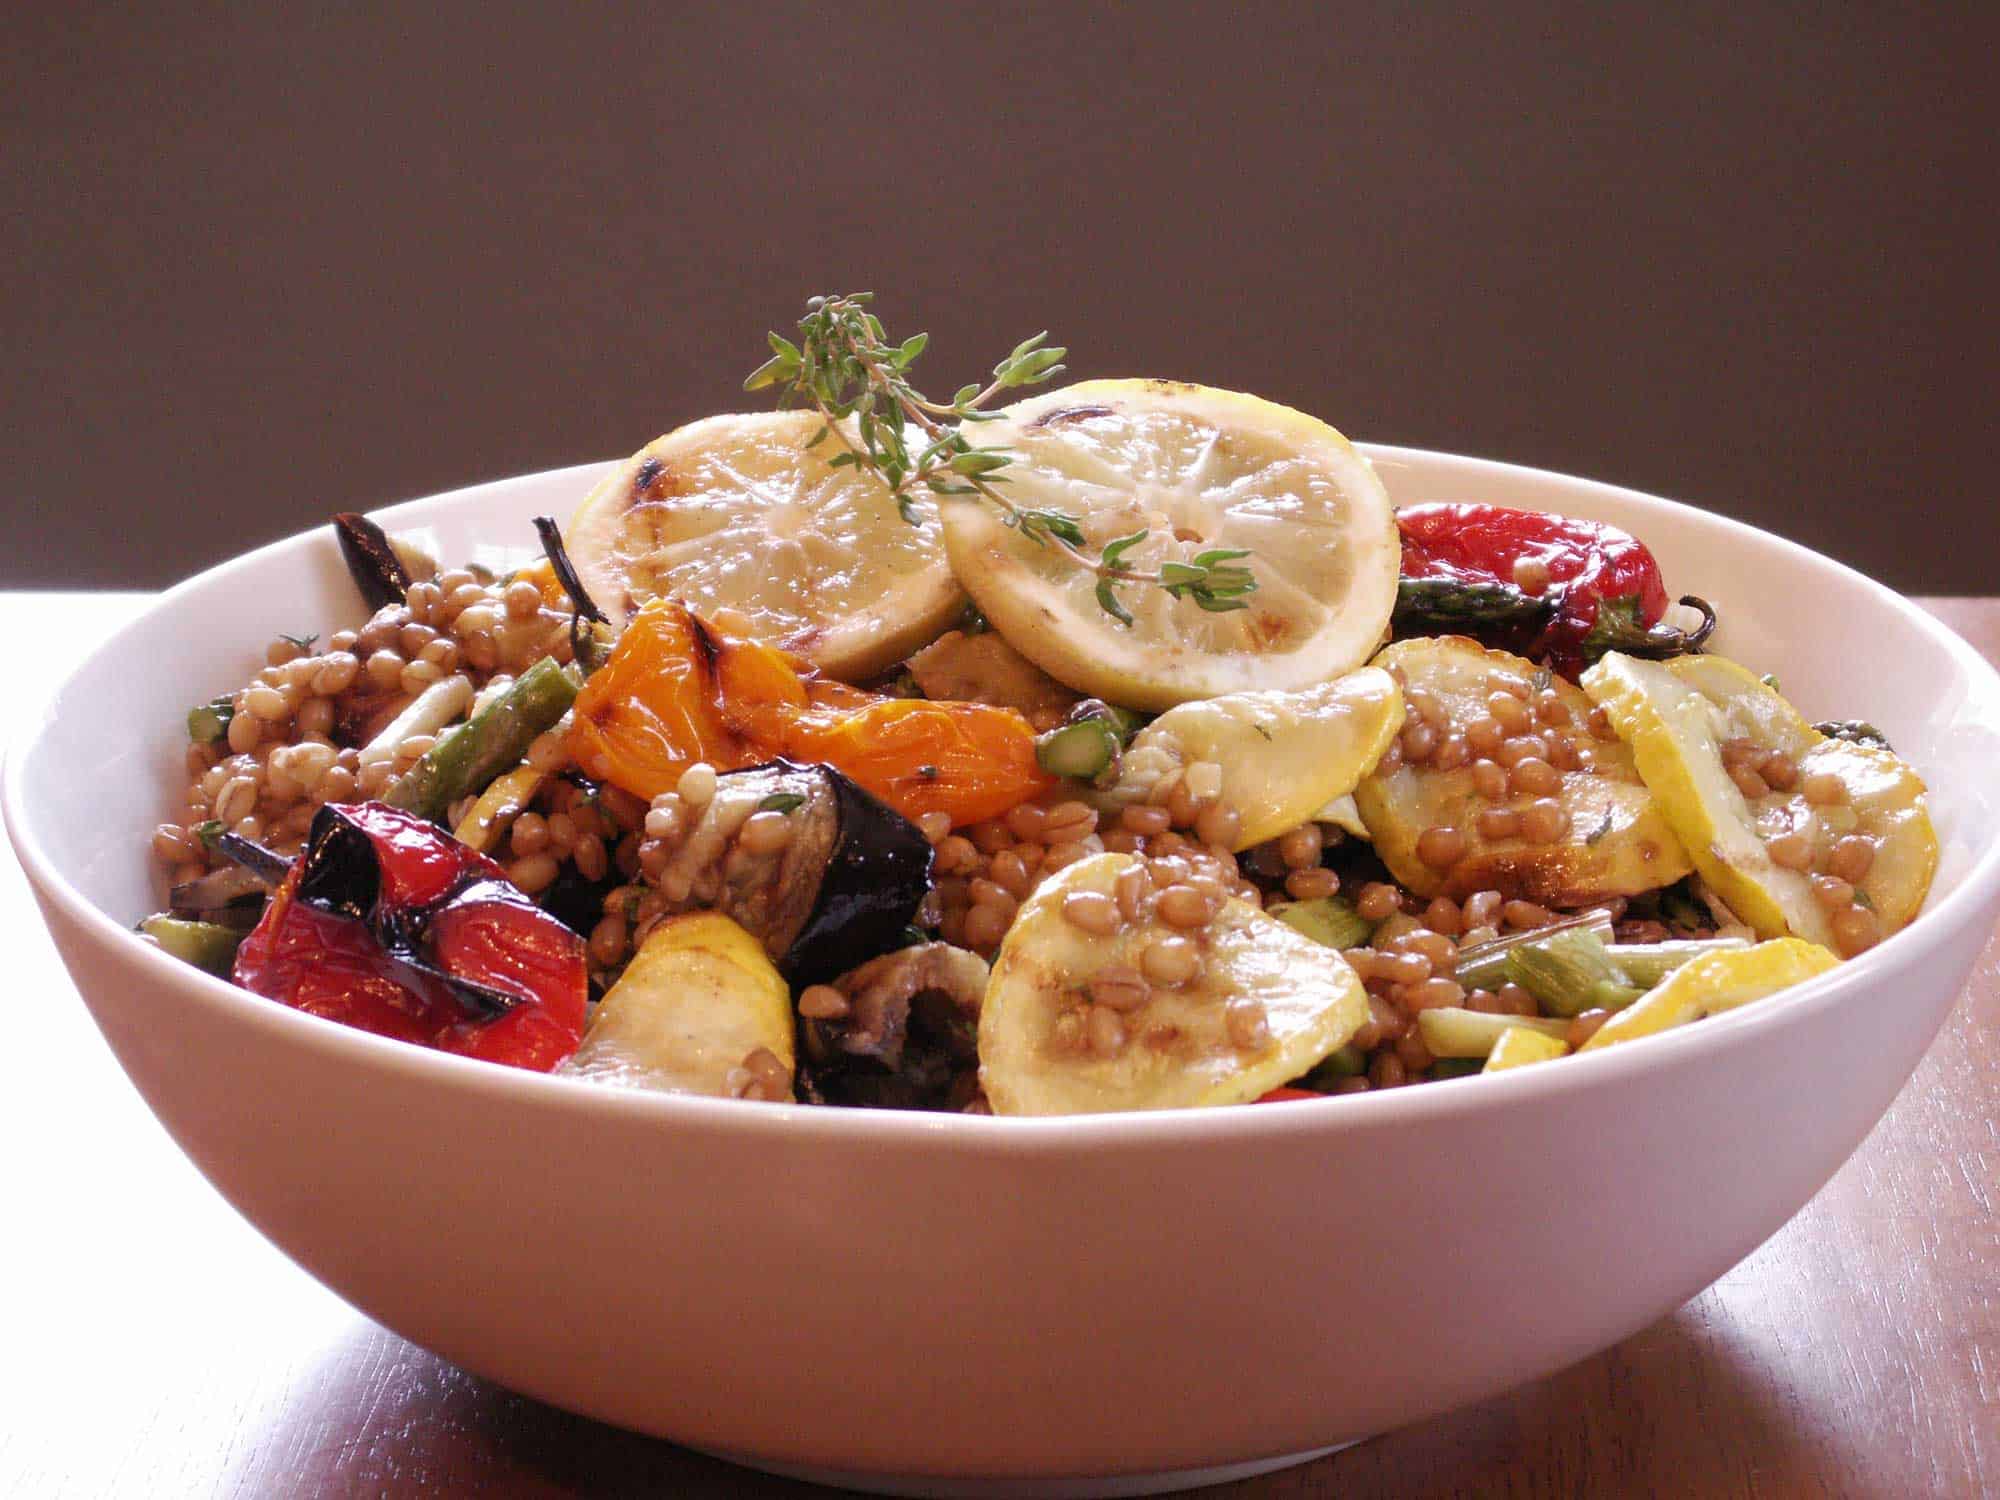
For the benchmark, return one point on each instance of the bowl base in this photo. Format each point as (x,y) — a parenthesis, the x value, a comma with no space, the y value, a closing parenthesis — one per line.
(1068,1487)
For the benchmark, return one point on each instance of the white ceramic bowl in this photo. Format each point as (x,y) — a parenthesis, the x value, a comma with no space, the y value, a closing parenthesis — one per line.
(939,1297)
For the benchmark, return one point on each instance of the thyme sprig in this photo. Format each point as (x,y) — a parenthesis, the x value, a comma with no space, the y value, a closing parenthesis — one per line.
(845,366)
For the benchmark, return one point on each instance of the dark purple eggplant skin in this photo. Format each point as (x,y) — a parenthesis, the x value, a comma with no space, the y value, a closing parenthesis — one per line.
(372,563)
(874,880)
(343,878)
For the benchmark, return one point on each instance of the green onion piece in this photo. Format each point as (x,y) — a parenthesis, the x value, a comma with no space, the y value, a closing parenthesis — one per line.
(1609,994)
(1646,964)
(1083,751)
(206,945)
(208,723)
(1561,969)
(1455,1067)
(1341,1063)
(1484,967)
(1450,1031)
(1327,919)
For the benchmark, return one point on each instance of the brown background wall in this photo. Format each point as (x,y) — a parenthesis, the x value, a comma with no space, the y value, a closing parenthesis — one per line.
(265,263)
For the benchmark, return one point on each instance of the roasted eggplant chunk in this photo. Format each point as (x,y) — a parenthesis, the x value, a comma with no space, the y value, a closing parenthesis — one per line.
(835,882)
(905,1035)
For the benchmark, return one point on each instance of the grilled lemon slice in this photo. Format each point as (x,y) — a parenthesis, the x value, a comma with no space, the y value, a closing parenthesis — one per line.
(1676,716)
(1614,841)
(1038,1054)
(738,518)
(1196,469)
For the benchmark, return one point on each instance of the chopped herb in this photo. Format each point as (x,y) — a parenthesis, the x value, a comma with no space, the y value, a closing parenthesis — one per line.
(209,832)
(846,368)
(1603,827)
(929,773)
(782,802)
(1770,680)
(1543,677)
(1263,731)
(305,643)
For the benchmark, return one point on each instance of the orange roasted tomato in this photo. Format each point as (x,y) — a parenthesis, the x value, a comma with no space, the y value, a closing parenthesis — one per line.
(676,691)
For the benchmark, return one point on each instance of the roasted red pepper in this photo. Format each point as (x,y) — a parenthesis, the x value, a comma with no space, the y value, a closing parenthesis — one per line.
(1559,590)
(387,923)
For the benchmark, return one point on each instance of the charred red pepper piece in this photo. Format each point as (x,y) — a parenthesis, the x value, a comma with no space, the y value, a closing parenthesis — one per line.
(1601,592)
(387,923)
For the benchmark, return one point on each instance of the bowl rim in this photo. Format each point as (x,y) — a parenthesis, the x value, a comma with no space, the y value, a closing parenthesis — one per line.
(345,1046)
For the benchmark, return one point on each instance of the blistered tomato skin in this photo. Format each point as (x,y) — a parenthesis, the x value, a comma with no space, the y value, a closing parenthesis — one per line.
(676,691)
(1589,564)
(386,924)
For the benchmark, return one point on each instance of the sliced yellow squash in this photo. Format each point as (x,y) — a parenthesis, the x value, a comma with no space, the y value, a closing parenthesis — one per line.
(1676,716)
(1177,1048)
(1196,469)
(699,1001)
(1343,814)
(1283,756)
(1886,801)
(1518,1046)
(502,802)
(1713,983)
(1618,842)
(738,518)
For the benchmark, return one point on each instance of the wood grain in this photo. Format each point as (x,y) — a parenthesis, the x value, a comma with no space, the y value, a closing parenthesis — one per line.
(159,1347)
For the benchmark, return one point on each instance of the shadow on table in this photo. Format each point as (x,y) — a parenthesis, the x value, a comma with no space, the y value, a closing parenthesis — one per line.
(1679,1409)
(377,1416)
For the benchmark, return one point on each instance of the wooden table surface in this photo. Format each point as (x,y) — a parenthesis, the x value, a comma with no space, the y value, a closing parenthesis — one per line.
(157,1346)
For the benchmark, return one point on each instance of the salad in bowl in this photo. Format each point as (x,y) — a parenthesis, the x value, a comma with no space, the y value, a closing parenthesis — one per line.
(1117,746)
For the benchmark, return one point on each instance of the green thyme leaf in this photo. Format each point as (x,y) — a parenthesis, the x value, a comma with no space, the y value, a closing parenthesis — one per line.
(1109,602)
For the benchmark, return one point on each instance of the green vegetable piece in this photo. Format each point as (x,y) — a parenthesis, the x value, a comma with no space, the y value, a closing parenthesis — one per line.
(1563,969)
(491,743)
(1327,919)
(1608,994)
(1426,606)
(1485,967)
(1455,1067)
(1450,1031)
(206,945)
(1345,1061)
(1646,964)
(208,723)
(1083,751)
